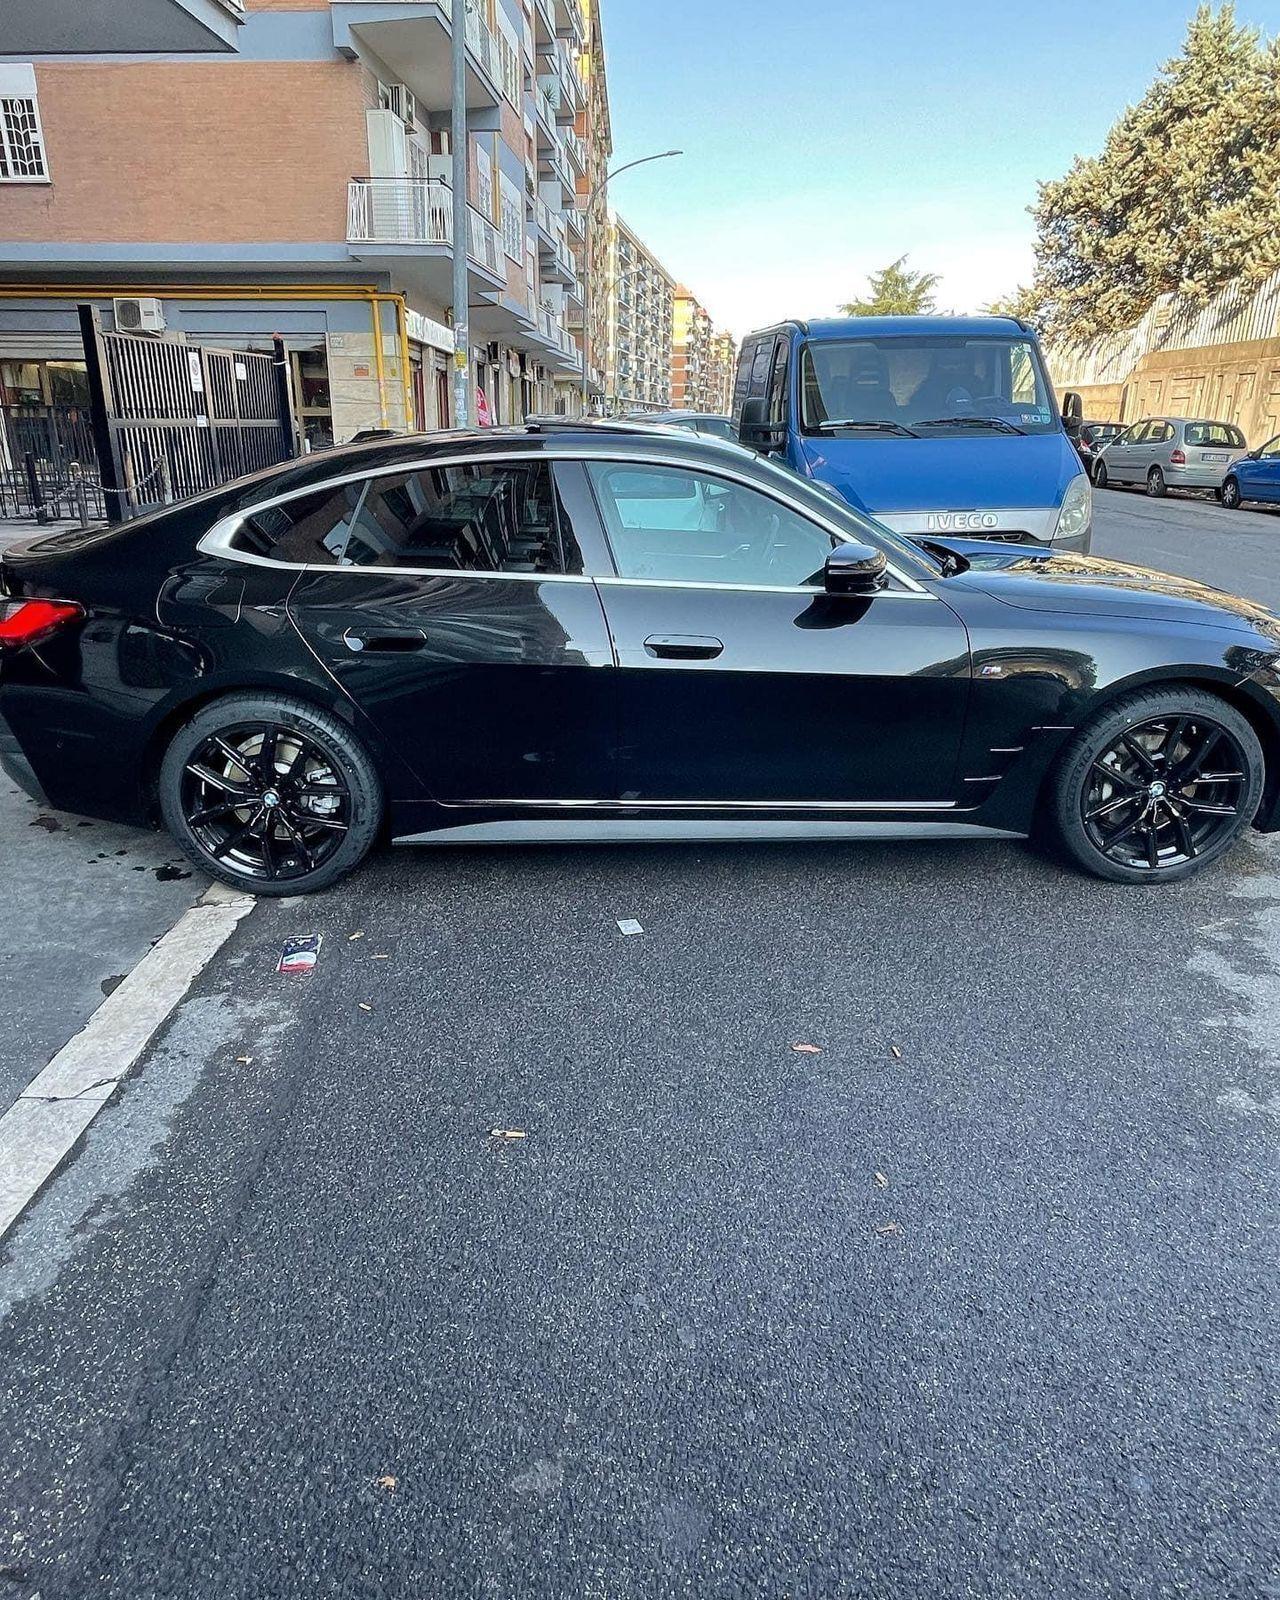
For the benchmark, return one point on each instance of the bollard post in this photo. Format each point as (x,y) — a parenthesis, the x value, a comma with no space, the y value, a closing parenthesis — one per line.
(33,487)
(82,499)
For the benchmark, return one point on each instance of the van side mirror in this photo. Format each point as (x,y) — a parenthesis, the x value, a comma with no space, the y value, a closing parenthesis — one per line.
(1072,414)
(854,569)
(754,428)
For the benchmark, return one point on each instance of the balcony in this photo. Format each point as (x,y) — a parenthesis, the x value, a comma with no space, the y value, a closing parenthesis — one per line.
(553,165)
(409,222)
(413,38)
(55,27)
(577,151)
(575,221)
(570,23)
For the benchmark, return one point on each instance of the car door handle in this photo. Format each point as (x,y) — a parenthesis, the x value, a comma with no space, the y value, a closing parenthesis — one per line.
(683,646)
(388,640)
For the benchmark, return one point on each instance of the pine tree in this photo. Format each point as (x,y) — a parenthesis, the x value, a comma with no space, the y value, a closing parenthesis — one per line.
(895,292)
(1183,198)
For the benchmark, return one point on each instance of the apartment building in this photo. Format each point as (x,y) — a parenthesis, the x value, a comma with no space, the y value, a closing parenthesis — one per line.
(641,300)
(702,361)
(228,170)
(593,202)
(724,367)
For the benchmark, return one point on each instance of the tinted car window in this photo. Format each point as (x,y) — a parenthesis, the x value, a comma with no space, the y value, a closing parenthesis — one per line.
(312,528)
(1219,435)
(669,524)
(477,517)
(760,367)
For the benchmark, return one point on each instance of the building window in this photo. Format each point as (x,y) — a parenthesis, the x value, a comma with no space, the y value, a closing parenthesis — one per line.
(22,152)
(512,221)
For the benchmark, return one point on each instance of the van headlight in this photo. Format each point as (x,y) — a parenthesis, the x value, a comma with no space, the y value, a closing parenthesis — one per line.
(1077,509)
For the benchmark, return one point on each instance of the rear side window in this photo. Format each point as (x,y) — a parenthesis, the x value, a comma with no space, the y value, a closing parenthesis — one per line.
(470,517)
(742,381)
(1216,435)
(760,367)
(311,529)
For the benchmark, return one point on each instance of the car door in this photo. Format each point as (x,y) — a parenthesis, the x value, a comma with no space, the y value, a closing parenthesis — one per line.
(1118,452)
(457,617)
(741,683)
(1264,473)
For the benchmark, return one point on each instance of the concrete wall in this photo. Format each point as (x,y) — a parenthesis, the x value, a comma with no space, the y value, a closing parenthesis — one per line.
(1237,383)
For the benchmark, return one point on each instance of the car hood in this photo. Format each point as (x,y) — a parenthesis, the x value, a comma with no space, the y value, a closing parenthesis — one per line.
(949,474)
(1036,581)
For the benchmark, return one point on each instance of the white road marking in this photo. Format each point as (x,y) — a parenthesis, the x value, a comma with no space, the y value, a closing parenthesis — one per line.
(44,1124)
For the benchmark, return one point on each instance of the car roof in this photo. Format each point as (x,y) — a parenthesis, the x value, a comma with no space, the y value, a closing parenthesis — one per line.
(1213,422)
(971,327)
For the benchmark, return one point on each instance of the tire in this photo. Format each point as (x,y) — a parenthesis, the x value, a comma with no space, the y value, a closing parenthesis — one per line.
(296,830)
(1090,778)
(1230,495)
(1100,476)
(1156,486)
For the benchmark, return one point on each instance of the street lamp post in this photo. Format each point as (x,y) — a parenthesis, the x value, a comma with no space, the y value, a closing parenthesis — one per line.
(602,188)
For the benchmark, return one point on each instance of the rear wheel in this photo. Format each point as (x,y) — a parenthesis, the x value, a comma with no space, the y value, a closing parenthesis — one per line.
(270,794)
(1157,786)
(1156,486)
(1230,494)
(1100,475)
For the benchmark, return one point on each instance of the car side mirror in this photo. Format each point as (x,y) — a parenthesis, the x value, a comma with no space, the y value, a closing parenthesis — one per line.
(754,428)
(1072,414)
(854,569)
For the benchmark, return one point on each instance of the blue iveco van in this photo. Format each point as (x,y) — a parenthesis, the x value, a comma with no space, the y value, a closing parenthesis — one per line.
(933,425)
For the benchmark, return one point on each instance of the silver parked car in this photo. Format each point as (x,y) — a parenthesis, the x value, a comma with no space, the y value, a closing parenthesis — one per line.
(1171,453)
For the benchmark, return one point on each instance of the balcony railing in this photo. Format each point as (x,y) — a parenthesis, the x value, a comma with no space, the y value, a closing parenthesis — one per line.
(416,211)
(577,150)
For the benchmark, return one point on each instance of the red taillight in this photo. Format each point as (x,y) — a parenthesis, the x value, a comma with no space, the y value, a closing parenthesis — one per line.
(29,621)
(1178,458)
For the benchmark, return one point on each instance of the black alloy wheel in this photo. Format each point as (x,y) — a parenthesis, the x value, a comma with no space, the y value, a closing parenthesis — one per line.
(1230,494)
(1159,787)
(271,796)
(1100,475)
(1156,486)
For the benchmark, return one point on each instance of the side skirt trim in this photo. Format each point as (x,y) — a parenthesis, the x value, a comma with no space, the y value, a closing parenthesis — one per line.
(630,830)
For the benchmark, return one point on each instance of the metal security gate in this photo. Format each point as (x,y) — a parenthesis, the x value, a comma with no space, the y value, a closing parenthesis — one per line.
(48,465)
(171,418)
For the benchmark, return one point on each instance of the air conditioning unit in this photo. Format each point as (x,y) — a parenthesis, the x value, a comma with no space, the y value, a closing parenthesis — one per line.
(144,315)
(403,103)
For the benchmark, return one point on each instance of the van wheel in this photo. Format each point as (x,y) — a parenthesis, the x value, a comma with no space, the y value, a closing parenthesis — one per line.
(1100,476)
(270,794)
(1156,486)
(1229,494)
(1157,786)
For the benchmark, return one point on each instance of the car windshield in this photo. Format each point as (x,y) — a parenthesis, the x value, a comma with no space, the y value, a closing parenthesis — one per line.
(926,386)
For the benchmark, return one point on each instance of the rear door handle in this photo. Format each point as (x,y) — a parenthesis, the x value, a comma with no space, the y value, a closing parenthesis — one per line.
(388,640)
(683,646)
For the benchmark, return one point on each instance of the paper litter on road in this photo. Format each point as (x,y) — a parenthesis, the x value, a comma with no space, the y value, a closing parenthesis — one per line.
(629,926)
(299,955)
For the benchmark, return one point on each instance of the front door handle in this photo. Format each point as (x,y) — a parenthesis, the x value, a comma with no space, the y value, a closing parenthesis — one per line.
(683,646)
(388,640)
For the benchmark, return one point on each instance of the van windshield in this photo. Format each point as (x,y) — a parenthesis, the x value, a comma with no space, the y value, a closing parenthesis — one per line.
(924,387)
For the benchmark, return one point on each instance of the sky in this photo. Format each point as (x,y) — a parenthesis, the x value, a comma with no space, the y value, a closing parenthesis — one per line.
(824,138)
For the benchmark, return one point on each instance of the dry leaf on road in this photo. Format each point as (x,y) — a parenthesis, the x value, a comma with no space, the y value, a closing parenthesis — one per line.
(881,1181)
(387,1482)
(889,1227)
(895,1050)
(807,1049)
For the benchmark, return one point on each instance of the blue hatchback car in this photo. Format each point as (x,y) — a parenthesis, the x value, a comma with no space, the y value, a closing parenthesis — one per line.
(933,425)
(1255,476)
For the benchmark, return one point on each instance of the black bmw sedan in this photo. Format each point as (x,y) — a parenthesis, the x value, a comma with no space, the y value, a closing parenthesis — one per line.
(612,632)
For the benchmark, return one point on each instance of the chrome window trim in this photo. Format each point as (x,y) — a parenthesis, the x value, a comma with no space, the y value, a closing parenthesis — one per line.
(216,540)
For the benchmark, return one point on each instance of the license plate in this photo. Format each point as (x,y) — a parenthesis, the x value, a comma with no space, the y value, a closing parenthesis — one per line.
(1211,456)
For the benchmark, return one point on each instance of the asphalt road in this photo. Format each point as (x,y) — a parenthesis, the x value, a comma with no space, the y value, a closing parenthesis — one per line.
(980,1300)
(1193,536)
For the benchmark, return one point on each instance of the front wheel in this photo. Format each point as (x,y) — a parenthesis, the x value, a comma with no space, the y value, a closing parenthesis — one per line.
(1230,494)
(270,795)
(1157,786)
(1156,486)
(1100,475)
